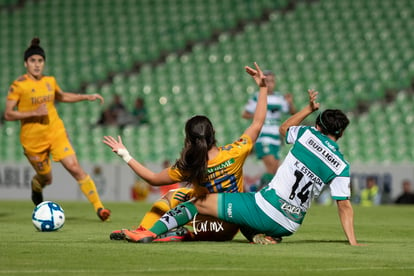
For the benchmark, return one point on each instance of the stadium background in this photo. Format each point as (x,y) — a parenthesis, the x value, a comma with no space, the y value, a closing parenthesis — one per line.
(186,57)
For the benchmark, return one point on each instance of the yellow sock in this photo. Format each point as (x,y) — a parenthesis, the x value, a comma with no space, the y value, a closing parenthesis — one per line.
(88,188)
(158,209)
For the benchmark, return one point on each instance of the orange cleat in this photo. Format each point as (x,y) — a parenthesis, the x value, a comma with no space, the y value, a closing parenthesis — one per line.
(103,214)
(139,236)
(117,235)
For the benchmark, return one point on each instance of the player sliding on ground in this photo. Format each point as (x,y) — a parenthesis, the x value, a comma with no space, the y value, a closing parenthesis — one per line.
(211,169)
(279,209)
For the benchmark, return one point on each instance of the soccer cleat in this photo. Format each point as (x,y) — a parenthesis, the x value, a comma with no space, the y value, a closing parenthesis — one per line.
(37,197)
(263,239)
(117,235)
(143,236)
(176,235)
(103,214)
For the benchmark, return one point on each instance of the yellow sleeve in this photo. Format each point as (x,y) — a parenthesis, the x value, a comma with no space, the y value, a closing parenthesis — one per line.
(15,91)
(175,174)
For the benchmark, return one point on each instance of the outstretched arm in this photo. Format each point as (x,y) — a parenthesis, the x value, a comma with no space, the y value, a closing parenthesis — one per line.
(298,117)
(259,115)
(68,97)
(346,215)
(154,179)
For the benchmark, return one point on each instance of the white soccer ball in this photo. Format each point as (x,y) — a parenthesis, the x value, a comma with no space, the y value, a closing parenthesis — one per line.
(48,216)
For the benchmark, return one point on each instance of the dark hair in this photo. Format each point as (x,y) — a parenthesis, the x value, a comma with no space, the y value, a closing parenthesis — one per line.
(34,49)
(199,139)
(333,122)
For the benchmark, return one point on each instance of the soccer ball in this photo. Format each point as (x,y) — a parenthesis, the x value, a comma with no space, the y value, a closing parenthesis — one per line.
(48,216)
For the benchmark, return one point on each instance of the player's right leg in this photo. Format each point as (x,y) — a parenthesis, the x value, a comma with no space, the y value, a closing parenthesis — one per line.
(38,183)
(41,164)
(158,209)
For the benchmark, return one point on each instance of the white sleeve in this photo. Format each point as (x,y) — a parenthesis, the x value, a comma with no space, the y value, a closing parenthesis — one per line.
(251,106)
(341,188)
(285,107)
(292,134)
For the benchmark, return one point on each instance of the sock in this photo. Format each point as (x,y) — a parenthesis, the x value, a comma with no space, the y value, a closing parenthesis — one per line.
(178,216)
(88,188)
(36,186)
(158,209)
(37,196)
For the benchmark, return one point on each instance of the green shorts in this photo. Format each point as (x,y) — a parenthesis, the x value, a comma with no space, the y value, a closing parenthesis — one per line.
(266,149)
(241,209)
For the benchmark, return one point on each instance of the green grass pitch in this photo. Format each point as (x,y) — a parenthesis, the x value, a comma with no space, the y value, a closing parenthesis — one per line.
(82,246)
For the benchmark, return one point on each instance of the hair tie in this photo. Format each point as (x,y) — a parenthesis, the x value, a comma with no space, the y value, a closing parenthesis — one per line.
(320,120)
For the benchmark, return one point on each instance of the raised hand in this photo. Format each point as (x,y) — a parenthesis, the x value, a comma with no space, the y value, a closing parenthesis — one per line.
(114,144)
(257,75)
(312,99)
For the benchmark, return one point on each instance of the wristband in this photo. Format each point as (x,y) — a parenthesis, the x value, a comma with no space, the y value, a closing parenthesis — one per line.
(124,154)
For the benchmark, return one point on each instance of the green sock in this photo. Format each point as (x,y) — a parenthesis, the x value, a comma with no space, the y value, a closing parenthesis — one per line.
(177,216)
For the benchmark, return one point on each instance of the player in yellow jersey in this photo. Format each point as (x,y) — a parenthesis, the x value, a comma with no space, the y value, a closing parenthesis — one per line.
(209,168)
(31,99)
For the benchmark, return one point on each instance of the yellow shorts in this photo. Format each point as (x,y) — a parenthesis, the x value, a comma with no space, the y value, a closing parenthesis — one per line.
(181,195)
(38,151)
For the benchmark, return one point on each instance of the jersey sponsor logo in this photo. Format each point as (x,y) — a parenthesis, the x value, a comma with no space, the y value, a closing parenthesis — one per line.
(42,99)
(230,210)
(221,166)
(329,145)
(291,211)
(316,146)
(290,208)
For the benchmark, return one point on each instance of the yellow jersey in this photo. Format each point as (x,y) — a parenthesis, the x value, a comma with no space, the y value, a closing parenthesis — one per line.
(29,94)
(225,171)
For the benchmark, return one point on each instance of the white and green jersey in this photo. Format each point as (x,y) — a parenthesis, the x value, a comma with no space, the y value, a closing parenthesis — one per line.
(313,161)
(276,107)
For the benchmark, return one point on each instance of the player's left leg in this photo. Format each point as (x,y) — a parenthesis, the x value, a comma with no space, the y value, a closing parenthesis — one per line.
(63,152)
(86,184)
